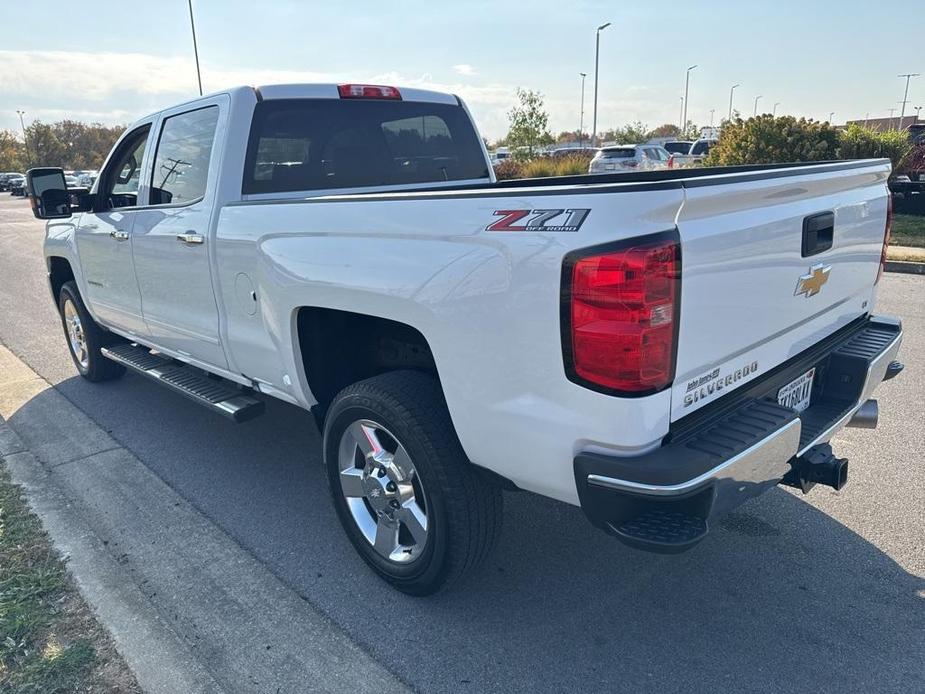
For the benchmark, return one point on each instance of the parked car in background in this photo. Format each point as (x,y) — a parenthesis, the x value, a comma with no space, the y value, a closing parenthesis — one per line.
(698,150)
(17,185)
(625,158)
(499,155)
(71,181)
(87,178)
(6,179)
(678,146)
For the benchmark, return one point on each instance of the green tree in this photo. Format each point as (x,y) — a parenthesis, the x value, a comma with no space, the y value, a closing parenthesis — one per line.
(70,144)
(767,140)
(858,142)
(12,152)
(629,134)
(529,124)
(567,136)
(665,130)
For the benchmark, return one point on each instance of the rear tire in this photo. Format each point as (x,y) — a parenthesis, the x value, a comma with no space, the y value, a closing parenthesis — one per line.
(85,337)
(414,507)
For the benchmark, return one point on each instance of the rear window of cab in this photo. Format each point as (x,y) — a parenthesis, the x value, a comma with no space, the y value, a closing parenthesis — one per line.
(318,144)
(619,153)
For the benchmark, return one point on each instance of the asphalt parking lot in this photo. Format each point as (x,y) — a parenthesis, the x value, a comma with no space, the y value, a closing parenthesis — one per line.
(791,594)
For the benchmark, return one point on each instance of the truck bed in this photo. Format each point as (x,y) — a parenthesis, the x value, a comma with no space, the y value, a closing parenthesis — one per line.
(665,178)
(489,299)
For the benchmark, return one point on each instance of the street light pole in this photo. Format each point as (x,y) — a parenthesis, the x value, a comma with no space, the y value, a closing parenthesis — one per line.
(195,47)
(902,114)
(712,111)
(731,91)
(681,119)
(597,55)
(774,110)
(890,126)
(756,104)
(831,116)
(581,118)
(25,143)
(687,84)
(918,110)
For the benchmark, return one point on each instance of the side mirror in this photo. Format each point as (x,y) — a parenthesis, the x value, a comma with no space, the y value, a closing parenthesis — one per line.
(48,192)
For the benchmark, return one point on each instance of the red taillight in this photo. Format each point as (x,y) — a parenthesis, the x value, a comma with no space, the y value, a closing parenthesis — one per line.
(367,91)
(671,162)
(886,235)
(622,315)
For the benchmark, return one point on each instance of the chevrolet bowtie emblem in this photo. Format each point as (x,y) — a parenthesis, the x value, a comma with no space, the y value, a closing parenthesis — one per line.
(811,283)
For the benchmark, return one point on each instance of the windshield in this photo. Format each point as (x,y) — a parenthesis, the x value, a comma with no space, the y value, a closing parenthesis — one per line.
(312,144)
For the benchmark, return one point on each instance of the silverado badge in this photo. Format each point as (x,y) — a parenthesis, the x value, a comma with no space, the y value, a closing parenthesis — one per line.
(811,283)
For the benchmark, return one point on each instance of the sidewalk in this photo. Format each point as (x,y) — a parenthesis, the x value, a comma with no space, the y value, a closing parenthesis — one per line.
(188,609)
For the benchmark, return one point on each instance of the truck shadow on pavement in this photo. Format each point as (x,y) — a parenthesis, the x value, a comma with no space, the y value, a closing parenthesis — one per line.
(780,597)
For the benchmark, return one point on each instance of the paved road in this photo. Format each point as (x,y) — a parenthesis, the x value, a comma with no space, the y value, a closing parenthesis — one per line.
(790,594)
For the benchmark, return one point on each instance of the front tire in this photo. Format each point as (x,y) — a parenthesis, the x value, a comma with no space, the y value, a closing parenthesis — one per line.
(414,507)
(85,337)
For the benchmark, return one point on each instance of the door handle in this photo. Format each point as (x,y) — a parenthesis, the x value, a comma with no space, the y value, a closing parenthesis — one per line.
(818,233)
(119,235)
(191,238)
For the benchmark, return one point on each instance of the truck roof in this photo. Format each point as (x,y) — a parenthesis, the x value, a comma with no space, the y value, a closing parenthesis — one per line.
(314,91)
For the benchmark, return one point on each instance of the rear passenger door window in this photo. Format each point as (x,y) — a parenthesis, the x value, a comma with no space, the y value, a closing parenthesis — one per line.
(181,161)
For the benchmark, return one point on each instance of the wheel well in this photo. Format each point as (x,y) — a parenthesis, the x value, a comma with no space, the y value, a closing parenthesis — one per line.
(339,348)
(59,272)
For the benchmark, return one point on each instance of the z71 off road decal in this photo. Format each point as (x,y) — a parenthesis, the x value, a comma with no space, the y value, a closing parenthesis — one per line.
(539,220)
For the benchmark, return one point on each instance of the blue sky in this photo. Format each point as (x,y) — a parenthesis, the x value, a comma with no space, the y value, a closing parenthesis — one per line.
(813,58)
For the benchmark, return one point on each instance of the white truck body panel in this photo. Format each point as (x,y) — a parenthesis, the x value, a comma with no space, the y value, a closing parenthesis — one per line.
(742,260)
(487,303)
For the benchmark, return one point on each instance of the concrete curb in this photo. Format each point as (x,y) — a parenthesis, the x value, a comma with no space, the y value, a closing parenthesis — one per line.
(905,266)
(160,660)
(188,608)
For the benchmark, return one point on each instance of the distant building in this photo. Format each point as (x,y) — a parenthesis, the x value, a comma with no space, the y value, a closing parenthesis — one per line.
(881,125)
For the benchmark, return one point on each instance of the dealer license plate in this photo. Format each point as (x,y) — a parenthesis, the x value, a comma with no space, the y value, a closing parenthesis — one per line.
(796,394)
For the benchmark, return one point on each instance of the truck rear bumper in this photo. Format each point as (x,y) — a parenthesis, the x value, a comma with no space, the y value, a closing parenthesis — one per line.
(738,447)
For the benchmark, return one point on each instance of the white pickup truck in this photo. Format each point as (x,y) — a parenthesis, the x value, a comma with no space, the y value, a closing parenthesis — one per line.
(655,347)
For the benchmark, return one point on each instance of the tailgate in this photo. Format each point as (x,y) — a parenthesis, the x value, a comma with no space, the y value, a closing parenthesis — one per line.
(752,295)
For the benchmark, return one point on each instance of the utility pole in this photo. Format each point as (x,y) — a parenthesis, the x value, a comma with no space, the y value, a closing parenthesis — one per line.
(581,118)
(195,47)
(25,142)
(731,91)
(756,104)
(902,114)
(687,83)
(597,55)
(774,110)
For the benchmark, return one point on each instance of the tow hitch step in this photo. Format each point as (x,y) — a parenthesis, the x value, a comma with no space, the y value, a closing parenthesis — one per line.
(662,530)
(817,466)
(218,395)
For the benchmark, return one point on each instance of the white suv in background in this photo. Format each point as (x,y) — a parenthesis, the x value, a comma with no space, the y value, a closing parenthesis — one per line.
(626,158)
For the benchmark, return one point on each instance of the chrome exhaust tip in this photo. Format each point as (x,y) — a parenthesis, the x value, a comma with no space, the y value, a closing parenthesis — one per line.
(866,417)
